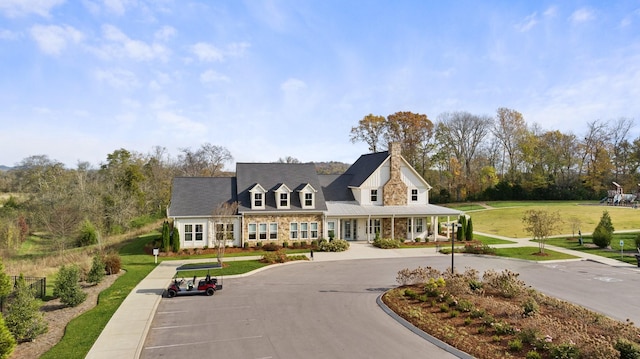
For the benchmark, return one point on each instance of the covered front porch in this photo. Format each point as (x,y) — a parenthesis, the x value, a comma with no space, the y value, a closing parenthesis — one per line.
(353,222)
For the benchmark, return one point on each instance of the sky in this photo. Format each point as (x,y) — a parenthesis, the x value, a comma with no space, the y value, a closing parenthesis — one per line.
(80,79)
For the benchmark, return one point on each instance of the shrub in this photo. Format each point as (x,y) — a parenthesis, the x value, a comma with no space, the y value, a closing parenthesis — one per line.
(410,293)
(505,283)
(503,328)
(259,245)
(465,306)
(530,307)
(601,237)
(285,244)
(528,335)
(112,263)
(627,349)
(386,243)
(533,355)
(479,248)
(175,240)
(87,234)
(67,286)
(296,244)
(432,287)
(416,276)
(637,241)
(23,317)
(245,245)
(564,351)
(337,245)
(97,271)
(7,341)
(166,245)
(515,345)
(270,247)
(272,257)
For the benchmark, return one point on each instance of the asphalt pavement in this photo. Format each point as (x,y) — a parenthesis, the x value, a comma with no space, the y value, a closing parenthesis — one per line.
(124,335)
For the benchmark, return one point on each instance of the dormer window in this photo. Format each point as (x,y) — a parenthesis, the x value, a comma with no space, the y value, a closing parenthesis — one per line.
(374,195)
(308,197)
(257,197)
(282,196)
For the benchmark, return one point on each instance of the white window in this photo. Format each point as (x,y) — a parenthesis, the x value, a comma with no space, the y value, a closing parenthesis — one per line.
(284,200)
(252,231)
(308,199)
(188,232)
(199,233)
(262,231)
(374,195)
(314,230)
(374,226)
(273,231)
(414,195)
(293,230)
(257,200)
(419,226)
(331,229)
(304,230)
(224,231)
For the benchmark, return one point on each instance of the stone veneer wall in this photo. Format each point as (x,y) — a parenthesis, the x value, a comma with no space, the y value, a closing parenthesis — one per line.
(394,192)
(400,228)
(283,222)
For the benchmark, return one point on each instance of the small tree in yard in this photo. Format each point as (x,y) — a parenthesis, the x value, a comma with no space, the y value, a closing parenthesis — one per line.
(5,282)
(541,224)
(23,317)
(223,216)
(175,240)
(468,234)
(7,341)
(67,286)
(166,245)
(88,234)
(97,271)
(603,233)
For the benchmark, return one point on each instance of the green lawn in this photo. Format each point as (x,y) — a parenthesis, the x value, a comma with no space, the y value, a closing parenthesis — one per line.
(532,254)
(614,252)
(507,220)
(231,268)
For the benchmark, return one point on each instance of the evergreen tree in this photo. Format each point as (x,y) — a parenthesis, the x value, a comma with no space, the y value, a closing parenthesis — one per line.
(97,272)
(7,341)
(23,317)
(67,286)
(603,234)
(165,237)
(468,235)
(88,234)
(175,240)
(5,282)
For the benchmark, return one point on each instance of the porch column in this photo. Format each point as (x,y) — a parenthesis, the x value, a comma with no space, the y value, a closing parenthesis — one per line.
(393,224)
(367,228)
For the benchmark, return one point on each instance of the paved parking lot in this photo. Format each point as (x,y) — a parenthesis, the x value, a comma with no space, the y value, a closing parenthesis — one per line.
(328,309)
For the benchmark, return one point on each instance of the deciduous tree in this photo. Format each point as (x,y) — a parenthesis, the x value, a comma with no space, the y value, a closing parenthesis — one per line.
(541,224)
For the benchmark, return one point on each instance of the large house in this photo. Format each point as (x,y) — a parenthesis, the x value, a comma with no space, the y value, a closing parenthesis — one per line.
(379,195)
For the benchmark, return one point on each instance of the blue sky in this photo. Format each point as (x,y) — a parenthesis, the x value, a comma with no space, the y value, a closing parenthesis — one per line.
(270,79)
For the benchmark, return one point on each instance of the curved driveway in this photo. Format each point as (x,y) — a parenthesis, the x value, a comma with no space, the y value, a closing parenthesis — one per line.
(328,309)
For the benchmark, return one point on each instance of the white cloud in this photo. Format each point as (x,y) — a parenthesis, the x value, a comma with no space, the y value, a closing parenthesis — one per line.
(116,6)
(213,76)
(119,45)
(293,85)
(527,23)
(165,33)
(552,11)
(180,124)
(209,53)
(8,35)
(582,15)
(15,8)
(52,39)
(118,78)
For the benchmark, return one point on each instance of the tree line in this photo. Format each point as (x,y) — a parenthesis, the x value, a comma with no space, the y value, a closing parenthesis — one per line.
(468,157)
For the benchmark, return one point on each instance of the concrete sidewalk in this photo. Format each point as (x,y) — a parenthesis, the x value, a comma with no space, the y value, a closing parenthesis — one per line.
(125,333)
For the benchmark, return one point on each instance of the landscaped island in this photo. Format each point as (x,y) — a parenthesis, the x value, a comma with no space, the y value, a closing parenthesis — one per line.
(497,316)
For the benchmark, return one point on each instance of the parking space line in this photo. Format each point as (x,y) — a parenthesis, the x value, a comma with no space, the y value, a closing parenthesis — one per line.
(196,325)
(202,342)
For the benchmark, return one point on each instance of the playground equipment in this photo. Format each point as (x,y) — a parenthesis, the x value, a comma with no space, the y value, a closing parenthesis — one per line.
(617,197)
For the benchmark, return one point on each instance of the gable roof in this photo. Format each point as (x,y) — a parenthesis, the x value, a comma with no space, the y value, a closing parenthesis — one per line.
(273,175)
(200,196)
(364,167)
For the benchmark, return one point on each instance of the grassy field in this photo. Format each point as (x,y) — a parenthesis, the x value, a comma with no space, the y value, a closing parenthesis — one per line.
(505,218)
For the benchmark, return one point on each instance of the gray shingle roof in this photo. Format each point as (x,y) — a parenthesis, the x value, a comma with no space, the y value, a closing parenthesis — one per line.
(199,196)
(271,176)
(336,187)
(364,167)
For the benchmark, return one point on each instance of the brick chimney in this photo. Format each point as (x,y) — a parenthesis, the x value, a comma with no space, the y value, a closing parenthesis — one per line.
(394,192)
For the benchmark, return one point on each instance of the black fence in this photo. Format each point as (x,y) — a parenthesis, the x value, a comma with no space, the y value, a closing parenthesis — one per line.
(38,286)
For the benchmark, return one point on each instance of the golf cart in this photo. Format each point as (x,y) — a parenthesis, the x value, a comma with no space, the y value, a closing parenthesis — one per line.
(207,285)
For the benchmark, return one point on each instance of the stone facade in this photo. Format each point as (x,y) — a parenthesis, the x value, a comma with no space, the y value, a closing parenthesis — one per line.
(400,227)
(394,192)
(283,222)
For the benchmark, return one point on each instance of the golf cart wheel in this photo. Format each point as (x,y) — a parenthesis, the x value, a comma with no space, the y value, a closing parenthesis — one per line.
(210,291)
(171,293)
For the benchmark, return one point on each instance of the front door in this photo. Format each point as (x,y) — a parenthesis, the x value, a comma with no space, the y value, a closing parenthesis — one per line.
(349,229)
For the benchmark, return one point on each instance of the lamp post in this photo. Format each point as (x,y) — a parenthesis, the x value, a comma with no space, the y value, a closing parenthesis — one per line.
(453,226)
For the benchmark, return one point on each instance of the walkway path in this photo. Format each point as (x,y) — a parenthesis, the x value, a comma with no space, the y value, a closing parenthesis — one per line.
(125,333)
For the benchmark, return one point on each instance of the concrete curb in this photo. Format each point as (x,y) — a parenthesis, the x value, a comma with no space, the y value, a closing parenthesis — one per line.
(433,340)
